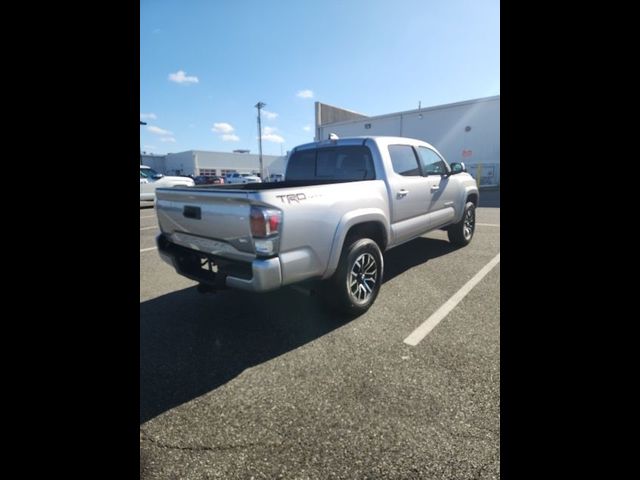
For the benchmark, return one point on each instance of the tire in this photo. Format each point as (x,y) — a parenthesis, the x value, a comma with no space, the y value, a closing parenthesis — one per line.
(461,233)
(361,261)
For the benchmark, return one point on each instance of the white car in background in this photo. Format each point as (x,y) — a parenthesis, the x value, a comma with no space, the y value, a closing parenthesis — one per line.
(150,180)
(276,177)
(242,178)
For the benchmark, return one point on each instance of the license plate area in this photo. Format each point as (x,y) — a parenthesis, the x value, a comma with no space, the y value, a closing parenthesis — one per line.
(201,244)
(209,265)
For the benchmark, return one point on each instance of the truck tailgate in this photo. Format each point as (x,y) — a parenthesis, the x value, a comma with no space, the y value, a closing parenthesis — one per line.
(209,220)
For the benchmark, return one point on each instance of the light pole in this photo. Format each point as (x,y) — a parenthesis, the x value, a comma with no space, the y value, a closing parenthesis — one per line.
(260,105)
(141,123)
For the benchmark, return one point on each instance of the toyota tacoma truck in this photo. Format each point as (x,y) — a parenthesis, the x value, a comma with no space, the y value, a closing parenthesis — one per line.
(343,202)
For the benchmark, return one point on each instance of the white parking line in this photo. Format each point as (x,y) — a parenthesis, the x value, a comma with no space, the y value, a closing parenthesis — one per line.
(429,324)
(148,249)
(149,216)
(489,224)
(149,228)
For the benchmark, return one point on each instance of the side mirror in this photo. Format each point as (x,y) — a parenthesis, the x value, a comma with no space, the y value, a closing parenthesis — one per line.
(458,167)
(158,176)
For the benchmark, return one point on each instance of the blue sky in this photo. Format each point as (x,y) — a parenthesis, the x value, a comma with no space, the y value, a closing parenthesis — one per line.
(205,64)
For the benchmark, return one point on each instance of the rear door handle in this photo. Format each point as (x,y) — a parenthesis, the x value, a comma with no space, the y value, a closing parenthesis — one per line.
(434,188)
(403,193)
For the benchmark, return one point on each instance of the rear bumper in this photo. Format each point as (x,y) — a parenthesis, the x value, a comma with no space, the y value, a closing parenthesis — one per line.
(260,275)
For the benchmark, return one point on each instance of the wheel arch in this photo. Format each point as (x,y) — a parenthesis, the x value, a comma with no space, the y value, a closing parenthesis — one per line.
(362,223)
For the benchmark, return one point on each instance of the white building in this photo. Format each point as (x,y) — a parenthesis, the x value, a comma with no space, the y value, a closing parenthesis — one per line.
(201,162)
(466,131)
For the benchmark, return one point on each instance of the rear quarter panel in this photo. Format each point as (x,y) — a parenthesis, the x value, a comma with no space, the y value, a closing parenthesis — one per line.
(315,221)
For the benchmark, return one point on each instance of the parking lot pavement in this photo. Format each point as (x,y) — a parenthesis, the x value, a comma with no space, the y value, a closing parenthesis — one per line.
(240,385)
(489,197)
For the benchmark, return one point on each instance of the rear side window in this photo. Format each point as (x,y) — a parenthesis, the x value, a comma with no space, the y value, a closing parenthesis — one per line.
(404,161)
(348,163)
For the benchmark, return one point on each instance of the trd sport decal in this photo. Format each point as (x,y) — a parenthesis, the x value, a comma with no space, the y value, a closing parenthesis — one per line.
(294,197)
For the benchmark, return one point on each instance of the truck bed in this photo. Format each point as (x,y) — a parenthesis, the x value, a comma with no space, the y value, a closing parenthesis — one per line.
(255,187)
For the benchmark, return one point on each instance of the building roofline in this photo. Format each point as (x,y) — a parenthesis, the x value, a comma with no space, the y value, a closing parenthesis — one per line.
(340,108)
(417,110)
(225,153)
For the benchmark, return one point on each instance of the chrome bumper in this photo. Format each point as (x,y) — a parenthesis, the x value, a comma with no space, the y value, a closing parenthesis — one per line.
(266,274)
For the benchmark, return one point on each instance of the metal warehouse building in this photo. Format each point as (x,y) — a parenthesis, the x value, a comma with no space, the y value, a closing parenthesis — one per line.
(201,162)
(466,131)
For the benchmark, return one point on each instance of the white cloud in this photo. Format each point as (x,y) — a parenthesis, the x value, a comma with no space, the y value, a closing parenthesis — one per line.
(307,128)
(148,116)
(222,127)
(272,137)
(305,94)
(269,130)
(168,140)
(230,137)
(149,147)
(269,115)
(181,77)
(158,130)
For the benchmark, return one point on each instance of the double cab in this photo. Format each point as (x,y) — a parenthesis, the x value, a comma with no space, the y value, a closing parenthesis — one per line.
(342,203)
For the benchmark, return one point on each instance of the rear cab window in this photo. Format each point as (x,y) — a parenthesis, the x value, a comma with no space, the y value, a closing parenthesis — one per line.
(343,163)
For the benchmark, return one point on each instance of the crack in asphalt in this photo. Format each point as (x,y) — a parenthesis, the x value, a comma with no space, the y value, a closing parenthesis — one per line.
(492,461)
(202,448)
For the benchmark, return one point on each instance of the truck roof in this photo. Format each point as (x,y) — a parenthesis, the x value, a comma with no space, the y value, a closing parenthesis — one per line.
(357,140)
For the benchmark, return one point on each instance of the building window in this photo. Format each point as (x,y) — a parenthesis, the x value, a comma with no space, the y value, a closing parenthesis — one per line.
(208,172)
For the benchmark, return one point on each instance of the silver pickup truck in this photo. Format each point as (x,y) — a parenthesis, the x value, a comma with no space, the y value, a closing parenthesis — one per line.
(343,202)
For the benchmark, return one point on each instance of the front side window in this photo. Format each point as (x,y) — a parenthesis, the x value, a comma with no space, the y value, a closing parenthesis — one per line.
(432,163)
(404,161)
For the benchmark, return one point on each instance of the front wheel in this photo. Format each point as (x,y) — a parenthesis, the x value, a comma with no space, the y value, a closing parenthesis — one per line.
(355,284)
(461,233)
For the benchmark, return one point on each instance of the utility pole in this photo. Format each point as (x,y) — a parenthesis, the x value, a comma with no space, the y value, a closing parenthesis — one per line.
(141,123)
(260,105)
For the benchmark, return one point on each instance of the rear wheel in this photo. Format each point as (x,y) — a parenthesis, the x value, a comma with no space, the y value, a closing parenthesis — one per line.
(461,233)
(355,284)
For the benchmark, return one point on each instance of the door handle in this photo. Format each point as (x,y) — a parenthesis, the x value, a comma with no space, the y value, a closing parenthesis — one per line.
(403,193)
(434,188)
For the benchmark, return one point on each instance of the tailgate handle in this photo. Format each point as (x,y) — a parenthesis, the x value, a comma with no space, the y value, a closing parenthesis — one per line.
(192,212)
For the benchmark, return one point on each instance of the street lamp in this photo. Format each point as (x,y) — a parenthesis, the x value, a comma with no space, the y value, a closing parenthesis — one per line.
(141,123)
(260,105)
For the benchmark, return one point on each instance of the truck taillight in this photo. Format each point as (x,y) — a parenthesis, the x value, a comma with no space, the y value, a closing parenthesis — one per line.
(265,222)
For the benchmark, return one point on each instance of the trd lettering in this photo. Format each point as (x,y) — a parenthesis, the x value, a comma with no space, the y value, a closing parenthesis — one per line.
(294,197)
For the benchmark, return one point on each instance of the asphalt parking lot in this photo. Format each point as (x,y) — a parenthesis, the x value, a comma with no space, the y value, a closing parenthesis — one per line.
(241,385)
